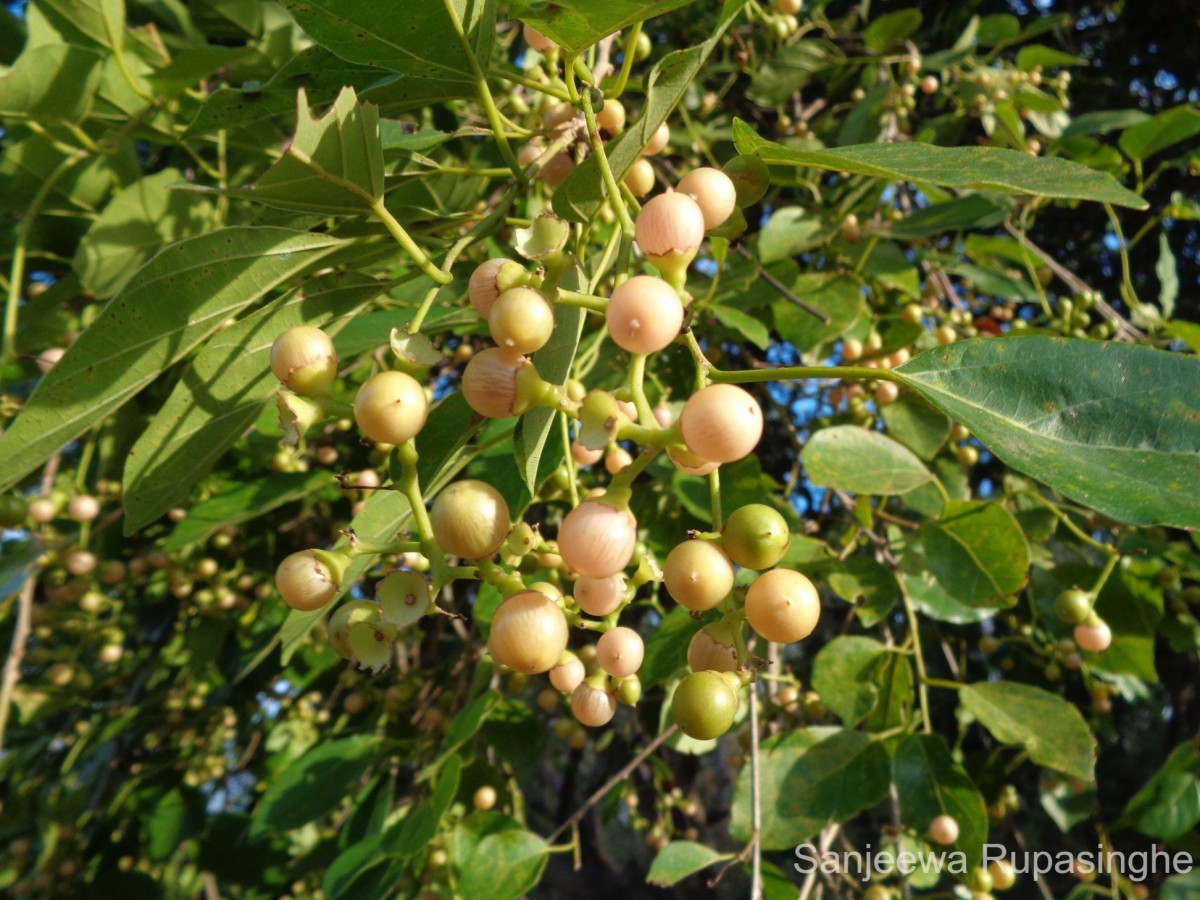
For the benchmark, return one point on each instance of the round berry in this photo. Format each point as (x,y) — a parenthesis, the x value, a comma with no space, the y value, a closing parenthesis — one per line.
(714,193)
(536,39)
(482,288)
(644,314)
(1073,606)
(640,177)
(698,575)
(83,508)
(567,675)
(593,706)
(611,117)
(305,582)
(1003,874)
(470,519)
(599,596)
(711,649)
(583,456)
(597,539)
(620,651)
(669,230)
(390,407)
(1093,635)
(47,359)
(782,606)
(484,798)
(943,830)
(529,633)
(303,358)
(658,140)
(81,563)
(755,536)
(721,423)
(750,178)
(489,383)
(521,320)
(704,705)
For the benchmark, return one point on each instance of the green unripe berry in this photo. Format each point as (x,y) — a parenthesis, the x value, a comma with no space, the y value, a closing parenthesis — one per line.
(750,178)
(755,536)
(1073,606)
(704,705)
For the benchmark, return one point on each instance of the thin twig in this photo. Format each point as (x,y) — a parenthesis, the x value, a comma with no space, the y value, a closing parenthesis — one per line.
(783,289)
(603,790)
(755,800)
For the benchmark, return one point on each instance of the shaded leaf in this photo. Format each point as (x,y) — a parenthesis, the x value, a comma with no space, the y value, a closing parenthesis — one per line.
(850,458)
(576,26)
(977,552)
(678,860)
(916,424)
(1143,140)
(315,784)
(842,675)
(930,784)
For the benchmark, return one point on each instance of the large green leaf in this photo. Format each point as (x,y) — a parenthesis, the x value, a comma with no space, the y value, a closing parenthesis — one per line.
(421,824)
(171,305)
(224,392)
(1167,129)
(1168,805)
(850,458)
(315,784)
(1114,426)
(977,552)
(916,424)
(418,42)
(333,164)
(930,783)
(134,226)
(54,81)
(678,860)
(505,865)
(577,24)
(837,297)
(581,194)
(809,778)
(974,168)
(842,675)
(1050,729)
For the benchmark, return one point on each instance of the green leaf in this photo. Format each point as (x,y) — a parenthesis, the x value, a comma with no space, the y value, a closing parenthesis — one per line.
(1050,729)
(419,827)
(178,816)
(850,458)
(1168,805)
(224,392)
(1032,55)
(1165,130)
(679,859)
(1168,276)
(421,45)
(243,503)
(209,278)
(959,214)
(1104,121)
(916,424)
(575,26)
(808,778)
(842,676)
(666,648)
(790,230)
(976,552)
(837,296)
(333,165)
(930,784)
(35,87)
(1184,886)
(553,362)
(893,677)
(315,784)
(976,168)
(581,194)
(504,865)
(1104,423)
(862,578)
(890,29)
(749,327)
(134,226)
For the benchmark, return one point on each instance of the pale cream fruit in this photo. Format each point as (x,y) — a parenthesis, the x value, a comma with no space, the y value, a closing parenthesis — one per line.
(529,633)
(698,575)
(303,359)
(597,539)
(616,459)
(788,7)
(1093,636)
(644,314)
(640,177)
(537,40)
(48,358)
(583,456)
(81,563)
(305,582)
(83,508)
(489,383)
(556,170)
(391,407)
(484,798)
(593,706)
(713,192)
(783,606)
(611,117)
(599,596)
(886,392)
(658,140)
(707,652)
(470,519)
(41,511)
(620,651)
(521,320)
(559,116)
(943,830)
(669,230)
(567,675)
(482,287)
(721,423)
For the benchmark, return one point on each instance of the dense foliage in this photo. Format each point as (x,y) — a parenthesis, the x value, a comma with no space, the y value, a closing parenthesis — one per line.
(849,501)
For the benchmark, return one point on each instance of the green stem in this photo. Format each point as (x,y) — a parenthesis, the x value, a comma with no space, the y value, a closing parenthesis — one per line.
(786,373)
(922,676)
(615,200)
(584,301)
(411,487)
(424,263)
(541,87)
(714,498)
(626,64)
(565,428)
(485,95)
(1128,293)
(637,375)
(1108,570)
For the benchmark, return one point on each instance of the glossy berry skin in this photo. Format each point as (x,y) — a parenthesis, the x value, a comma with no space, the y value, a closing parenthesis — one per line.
(669,230)
(303,359)
(611,117)
(714,193)
(470,519)
(521,320)
(782,606)
(1073,606)
(755,536)
(644,314)
(711,650)
(721,423)
(658,141)
(304,582)
(597,539)
(620,651)
(390,407)
(83,508)
(704,705)
(943,830)
(1093,636)
(640,177)
(482,288)
(599,596)
(489,383)
(697,575)
(567,675)
(593,706)
(529,633)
